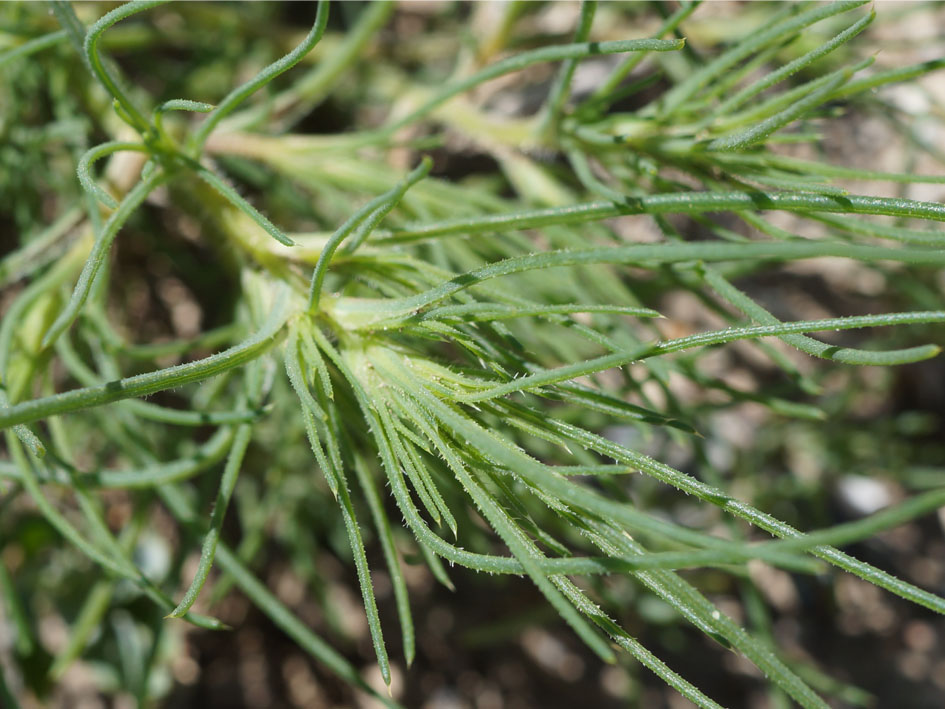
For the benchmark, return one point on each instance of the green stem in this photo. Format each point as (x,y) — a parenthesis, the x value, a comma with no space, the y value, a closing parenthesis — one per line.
(152,382)
(241,93)
(670,203)
(103,243)
(32,46)
(362,223)
(535,56)
(137,119)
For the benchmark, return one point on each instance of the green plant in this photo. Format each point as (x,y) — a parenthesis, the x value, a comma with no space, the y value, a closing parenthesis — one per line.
(471,354)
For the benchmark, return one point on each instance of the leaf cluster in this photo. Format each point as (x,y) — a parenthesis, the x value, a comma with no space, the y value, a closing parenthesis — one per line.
(460,353)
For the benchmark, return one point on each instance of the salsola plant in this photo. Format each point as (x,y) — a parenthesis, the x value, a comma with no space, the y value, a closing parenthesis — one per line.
(460,354)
